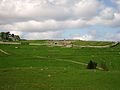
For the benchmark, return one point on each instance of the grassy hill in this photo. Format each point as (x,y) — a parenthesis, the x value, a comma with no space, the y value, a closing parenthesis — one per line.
(91,43)
(69,42)
(43,67)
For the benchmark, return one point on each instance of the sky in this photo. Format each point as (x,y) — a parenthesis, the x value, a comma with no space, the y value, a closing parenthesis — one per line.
(97,20)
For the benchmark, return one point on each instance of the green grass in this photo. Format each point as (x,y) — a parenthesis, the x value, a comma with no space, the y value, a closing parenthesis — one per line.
(91,43)
(75,42)
(37,68)
(35,41)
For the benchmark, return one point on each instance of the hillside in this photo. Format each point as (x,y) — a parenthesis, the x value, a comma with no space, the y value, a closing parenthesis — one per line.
(41,67)
(73,43)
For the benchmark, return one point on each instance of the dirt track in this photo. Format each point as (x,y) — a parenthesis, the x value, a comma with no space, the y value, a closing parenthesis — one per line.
(9,42)
(4,52)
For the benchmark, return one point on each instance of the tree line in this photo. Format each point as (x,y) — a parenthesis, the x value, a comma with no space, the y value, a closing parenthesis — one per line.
(6,36)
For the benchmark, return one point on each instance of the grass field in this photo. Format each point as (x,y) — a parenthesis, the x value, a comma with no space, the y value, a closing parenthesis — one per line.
(91,43)
(50,68)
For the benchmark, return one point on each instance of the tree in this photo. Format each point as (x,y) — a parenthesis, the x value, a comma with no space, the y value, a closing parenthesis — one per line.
(7,35)
(91,65)
(12,35)
(17,37)
(3,36)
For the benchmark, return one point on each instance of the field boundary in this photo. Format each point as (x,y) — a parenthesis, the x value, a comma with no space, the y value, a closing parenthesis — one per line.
(106,46)
(80,63)
(13,43)
(71,61)
(79,46)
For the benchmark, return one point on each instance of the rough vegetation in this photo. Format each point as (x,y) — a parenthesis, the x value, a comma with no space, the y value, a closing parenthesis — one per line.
(104,66)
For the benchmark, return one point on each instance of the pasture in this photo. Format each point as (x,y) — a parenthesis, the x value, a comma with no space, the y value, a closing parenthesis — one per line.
(44,67)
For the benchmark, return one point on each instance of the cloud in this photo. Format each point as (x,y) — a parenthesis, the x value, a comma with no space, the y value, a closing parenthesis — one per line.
(107,17)
(16,32)
(43,35)
(48,25)
(94,35)
(112,37)
(26,10)
(82,37)
(107,13)
(91,35)
(117,2)
(87,8)
(47,18)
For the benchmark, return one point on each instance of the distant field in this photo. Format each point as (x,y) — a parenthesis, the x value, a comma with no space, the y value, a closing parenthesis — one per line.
(91,43)
(75,42)
(36,41)
(50,68)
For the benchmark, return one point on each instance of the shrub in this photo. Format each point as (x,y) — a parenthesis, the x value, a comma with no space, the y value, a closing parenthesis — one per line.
(103,65)
(92,65)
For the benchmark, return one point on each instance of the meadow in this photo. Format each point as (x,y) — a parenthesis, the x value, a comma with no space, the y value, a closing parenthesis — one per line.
(44,67)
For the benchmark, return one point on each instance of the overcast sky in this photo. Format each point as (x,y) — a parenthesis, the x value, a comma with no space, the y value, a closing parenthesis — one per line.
(61,19)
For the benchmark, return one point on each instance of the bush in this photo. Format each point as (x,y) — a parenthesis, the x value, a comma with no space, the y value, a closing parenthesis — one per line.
(92,65)
(103,65)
